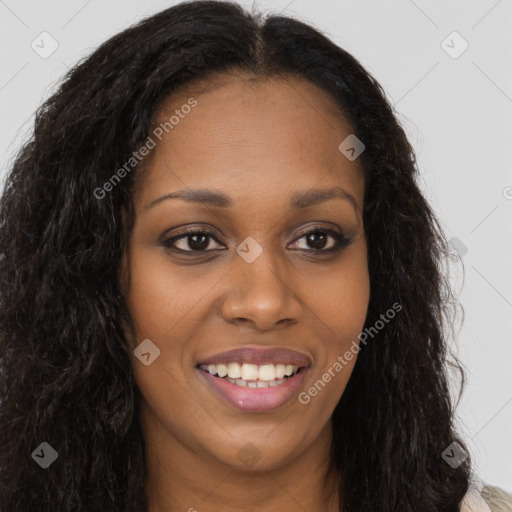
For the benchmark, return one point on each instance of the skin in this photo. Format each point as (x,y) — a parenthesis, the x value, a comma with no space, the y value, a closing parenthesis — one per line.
(259,142)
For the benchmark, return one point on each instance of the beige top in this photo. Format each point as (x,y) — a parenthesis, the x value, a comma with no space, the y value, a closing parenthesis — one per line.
(486,498)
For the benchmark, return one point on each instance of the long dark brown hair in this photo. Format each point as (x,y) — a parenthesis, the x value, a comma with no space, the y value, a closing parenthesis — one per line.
(65,372)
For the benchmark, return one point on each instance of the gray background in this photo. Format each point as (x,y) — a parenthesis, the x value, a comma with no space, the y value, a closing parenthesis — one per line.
(456,111)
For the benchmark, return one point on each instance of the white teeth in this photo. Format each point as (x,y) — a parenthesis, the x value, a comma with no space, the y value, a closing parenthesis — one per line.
(239,382)
(256,383)
(234,371)
(222,370)
(267,372)
(249,371)
(252,375)
(288,369)
(280,371)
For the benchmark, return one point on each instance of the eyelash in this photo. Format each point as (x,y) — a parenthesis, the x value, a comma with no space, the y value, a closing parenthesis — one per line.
(341,241)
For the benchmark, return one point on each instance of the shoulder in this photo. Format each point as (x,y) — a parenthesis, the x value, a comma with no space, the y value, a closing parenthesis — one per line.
(486,498)
(497,499)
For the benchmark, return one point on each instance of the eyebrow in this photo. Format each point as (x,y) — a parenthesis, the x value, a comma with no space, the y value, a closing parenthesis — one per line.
(299,200)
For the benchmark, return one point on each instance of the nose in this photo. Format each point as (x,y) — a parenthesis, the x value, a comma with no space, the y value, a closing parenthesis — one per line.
(261,293)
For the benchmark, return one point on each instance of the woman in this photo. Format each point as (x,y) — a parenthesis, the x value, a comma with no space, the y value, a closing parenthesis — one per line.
(221,285)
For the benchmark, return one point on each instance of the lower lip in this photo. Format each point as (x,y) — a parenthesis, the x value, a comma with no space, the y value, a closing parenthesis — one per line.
(255,399)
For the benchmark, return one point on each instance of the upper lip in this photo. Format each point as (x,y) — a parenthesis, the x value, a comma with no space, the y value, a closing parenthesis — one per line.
(259,356)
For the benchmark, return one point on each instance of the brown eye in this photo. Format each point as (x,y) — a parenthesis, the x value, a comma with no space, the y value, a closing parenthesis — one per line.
(317,240)
(321,241)
(191,241)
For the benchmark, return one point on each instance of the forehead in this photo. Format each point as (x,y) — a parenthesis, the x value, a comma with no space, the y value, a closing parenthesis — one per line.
(249,133)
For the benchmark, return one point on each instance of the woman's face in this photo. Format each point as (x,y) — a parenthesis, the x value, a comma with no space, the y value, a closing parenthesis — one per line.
(266,286)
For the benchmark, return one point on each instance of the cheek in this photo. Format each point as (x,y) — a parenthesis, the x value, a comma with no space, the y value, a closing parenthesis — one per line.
(340,305)
(160,295)
(339,301)
(158,311)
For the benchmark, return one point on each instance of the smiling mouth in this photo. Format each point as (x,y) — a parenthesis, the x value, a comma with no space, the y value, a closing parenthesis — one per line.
(252,375)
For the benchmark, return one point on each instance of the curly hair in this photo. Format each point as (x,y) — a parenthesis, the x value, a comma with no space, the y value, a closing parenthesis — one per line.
(65,371)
